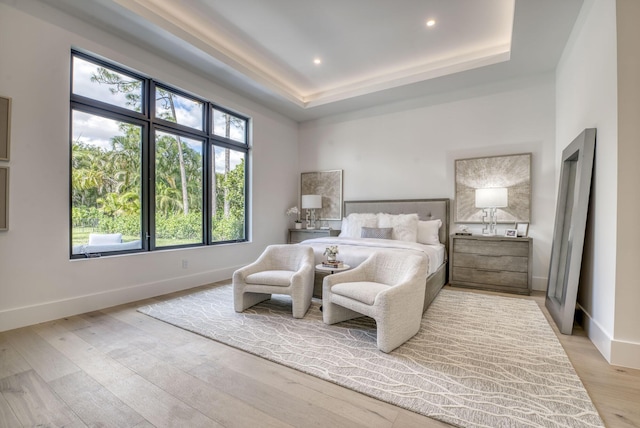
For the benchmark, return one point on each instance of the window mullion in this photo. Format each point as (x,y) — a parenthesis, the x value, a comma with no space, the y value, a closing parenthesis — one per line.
(173,153)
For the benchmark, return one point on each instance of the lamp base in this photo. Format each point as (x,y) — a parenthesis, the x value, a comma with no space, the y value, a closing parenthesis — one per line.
(489,222)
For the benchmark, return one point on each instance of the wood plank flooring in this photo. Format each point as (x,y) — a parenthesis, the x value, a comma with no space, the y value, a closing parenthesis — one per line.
(119,368)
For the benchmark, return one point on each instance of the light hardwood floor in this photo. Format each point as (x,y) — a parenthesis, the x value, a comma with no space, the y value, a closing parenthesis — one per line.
(119,368)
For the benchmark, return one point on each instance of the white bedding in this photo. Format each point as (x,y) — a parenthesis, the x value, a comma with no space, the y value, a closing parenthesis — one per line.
(354,251)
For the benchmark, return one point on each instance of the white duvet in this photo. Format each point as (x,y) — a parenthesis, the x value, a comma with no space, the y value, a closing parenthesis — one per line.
(354,251)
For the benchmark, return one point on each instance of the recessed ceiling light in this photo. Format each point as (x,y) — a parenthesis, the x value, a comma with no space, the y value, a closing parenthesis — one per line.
(431,22)
(317,61)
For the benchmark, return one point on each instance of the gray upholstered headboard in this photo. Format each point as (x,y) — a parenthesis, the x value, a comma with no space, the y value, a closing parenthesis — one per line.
(427,209)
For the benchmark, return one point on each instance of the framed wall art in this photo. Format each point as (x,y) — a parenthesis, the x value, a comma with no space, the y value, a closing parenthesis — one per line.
(4,197)
(327,184)
(509,174)
(5,127)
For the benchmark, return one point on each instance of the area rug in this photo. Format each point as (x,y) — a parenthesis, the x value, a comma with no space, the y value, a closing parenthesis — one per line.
(478,361)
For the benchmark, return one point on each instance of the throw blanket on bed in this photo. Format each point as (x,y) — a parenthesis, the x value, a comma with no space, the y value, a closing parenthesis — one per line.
(354,251)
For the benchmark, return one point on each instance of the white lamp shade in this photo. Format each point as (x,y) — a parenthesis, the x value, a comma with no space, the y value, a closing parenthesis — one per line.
(310,202)
(495,197)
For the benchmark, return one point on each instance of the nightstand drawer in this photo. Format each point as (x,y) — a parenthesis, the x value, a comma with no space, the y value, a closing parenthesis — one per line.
(490,277)
(299,235)
(492,248)
(482,261)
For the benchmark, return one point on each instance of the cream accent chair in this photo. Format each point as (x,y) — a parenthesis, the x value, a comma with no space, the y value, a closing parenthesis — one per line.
(388,287)
(280,269)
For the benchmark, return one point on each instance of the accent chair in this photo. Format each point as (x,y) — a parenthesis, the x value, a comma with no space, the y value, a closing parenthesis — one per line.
(387,287)
(280,269)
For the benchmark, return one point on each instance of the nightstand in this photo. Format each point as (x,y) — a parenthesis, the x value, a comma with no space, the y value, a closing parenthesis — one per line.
(299,235)
(495,263)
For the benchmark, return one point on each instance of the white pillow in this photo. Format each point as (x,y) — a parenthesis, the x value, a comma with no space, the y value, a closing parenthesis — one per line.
(405,226)
(344,228)
(429,232)
(355,223)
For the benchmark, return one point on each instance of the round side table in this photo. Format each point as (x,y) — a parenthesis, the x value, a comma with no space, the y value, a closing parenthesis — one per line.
(331,270)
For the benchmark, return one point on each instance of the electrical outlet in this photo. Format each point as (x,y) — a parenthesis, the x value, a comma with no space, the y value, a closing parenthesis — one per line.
(185,263)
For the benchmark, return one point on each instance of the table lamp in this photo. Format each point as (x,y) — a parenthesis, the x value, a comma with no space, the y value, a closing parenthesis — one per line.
(489,199)
(311,203)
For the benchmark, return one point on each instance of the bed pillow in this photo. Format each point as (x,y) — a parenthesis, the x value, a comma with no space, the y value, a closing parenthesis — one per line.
(429,232)
(344,228)
(355,223)
(377,232)
(405,226)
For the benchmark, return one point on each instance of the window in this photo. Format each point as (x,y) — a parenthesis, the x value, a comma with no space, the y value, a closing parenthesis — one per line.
(151,166)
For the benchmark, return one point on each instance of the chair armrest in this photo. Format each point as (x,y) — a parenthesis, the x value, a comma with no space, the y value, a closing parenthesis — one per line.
(304,271)
(406,293)
(354,275)
(257,266)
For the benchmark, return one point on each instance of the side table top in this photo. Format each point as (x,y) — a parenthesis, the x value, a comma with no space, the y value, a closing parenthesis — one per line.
(330,269)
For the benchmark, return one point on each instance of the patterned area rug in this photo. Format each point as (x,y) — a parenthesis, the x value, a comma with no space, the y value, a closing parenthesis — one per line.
(478,361)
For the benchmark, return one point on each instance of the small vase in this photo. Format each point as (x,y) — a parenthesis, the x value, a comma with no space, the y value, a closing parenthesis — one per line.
(331,257)
(298,225)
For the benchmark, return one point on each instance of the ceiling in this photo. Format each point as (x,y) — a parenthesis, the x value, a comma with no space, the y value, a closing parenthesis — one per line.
(370,51)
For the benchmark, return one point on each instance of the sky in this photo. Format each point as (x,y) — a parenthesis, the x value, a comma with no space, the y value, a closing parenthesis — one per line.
(98,131)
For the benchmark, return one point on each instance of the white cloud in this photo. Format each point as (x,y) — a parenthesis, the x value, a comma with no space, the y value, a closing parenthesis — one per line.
(94,130)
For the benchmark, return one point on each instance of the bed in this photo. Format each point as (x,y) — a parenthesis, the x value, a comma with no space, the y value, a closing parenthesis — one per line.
(375,218)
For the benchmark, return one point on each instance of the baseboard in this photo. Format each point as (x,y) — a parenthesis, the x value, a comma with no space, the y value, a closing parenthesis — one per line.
(598,336)
(539,283)
(48,311)
(616,352)
(625,354)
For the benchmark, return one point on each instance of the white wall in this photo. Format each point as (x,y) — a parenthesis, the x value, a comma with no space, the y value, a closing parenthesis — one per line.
(38,282)
(590,95)
(626,345)
(408,149)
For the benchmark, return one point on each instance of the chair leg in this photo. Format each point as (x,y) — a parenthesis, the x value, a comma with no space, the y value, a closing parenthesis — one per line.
(333,313)
(246,300)
(389,336)
(299,307)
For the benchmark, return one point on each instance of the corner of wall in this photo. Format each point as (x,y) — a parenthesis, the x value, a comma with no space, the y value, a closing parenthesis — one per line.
(597,334)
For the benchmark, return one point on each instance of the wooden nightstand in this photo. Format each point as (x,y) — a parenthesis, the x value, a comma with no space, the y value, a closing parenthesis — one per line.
(495,263)
(299,235)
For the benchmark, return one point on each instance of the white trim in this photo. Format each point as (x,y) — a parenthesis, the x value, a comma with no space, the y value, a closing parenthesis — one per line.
(539,283)
(625,354)
(48,311)
(600,338)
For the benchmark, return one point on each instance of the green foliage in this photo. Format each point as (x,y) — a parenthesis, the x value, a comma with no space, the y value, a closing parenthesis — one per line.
(83,216)
(107,181)
(127,224)
(228,228)
(180,227)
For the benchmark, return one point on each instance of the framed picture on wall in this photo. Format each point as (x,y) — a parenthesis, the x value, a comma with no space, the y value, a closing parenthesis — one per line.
(327,184)
(4,197)
(508,174)
(5,127)
(523,229)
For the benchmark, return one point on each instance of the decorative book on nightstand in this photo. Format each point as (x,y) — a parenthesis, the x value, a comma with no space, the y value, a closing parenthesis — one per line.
(495,263)
(299,235)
